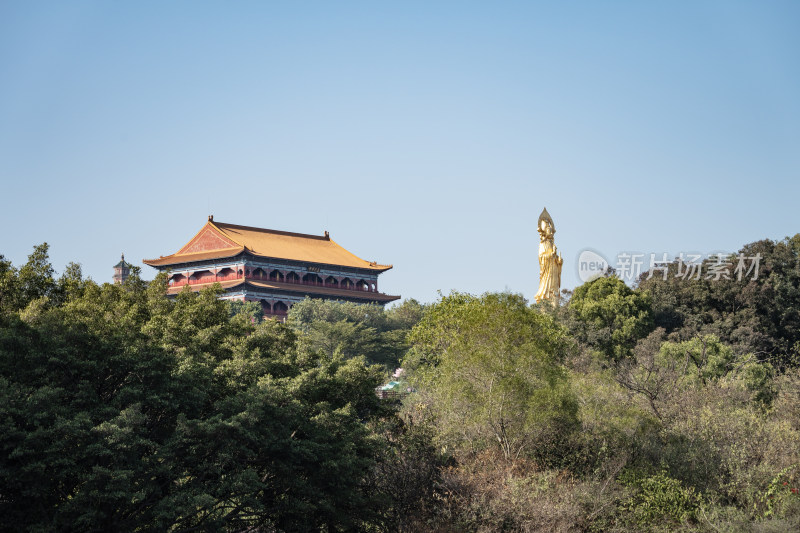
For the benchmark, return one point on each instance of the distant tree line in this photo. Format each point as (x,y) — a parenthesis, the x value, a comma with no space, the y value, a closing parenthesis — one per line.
(671,405)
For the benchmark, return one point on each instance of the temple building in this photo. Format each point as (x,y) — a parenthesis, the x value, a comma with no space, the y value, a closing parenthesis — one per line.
(275,268)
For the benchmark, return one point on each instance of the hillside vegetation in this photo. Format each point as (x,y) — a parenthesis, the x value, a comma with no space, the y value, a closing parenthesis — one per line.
(671,406)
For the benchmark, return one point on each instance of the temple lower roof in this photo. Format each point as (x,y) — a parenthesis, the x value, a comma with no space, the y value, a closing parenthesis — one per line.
(293,288)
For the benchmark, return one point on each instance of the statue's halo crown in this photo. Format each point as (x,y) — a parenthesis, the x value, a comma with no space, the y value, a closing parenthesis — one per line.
(545,216)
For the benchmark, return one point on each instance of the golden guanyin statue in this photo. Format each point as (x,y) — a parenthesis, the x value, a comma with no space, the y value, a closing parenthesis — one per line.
(550,261)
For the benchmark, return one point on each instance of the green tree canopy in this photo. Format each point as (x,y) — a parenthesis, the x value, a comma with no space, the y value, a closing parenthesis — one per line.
(491,369)
(121,410)
(349,329)
(610,316)
(760,316)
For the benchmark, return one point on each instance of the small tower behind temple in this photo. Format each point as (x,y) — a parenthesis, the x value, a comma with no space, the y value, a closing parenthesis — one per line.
(121,271)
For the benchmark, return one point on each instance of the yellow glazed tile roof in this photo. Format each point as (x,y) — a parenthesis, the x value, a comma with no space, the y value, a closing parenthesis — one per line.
(188,258)
(229,240)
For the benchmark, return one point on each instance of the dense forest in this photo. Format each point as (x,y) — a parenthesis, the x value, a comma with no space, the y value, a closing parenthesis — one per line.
(670,406)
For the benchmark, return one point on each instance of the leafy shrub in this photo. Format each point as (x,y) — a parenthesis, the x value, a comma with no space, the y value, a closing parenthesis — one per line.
(660,498)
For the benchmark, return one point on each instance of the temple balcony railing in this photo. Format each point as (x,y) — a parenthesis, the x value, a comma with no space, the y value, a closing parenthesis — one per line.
(311,283)
(233,277)
(205,279)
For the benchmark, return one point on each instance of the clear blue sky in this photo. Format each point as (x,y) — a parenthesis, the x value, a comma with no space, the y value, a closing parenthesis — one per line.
(428,135)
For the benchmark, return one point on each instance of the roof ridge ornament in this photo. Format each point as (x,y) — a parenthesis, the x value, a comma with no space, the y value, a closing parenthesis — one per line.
(211,218)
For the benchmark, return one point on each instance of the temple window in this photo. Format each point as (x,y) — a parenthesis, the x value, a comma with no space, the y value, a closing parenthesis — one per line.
(312,278)
(201,276)
(225,274)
